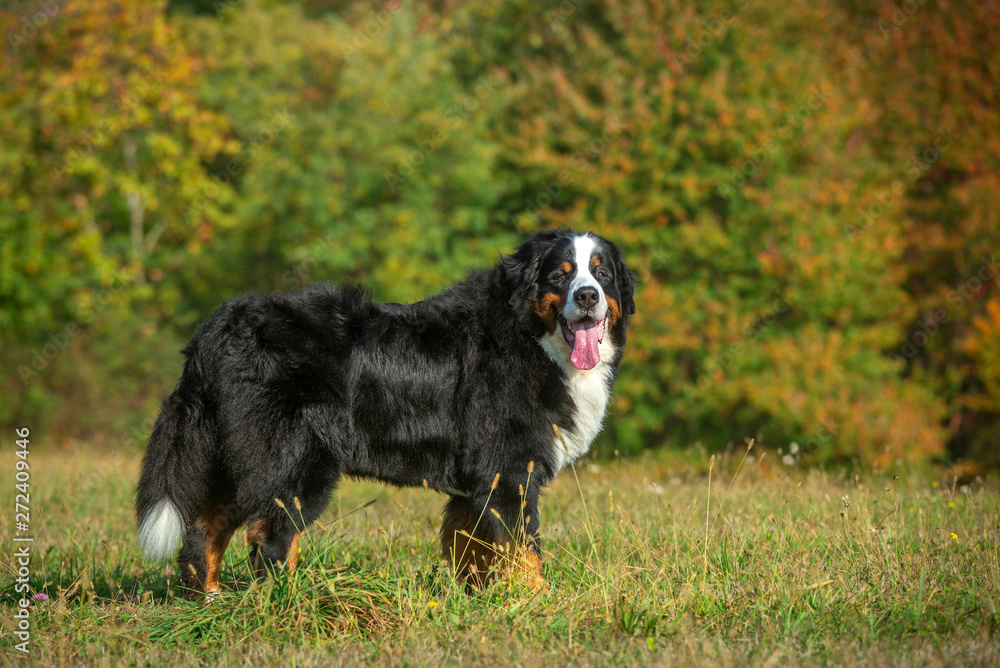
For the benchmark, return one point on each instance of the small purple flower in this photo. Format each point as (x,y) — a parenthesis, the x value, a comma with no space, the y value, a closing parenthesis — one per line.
(170,571)
(41,596)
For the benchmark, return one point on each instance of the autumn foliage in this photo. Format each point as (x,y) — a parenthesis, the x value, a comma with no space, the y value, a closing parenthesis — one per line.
(805,190)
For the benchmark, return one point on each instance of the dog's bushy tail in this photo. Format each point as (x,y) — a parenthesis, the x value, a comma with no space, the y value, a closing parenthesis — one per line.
(174,480)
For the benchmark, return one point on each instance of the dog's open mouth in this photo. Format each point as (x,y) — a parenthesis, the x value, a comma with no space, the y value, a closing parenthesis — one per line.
(584,336)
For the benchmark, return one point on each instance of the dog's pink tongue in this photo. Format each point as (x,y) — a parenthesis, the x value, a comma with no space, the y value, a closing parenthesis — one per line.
(586,353)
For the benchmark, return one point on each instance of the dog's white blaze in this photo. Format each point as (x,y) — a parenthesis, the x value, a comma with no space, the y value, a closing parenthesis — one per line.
(161,530)
(590,391)
(584,246)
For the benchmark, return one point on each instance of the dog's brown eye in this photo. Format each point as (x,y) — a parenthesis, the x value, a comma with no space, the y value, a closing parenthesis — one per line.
(560,278)
(601,274)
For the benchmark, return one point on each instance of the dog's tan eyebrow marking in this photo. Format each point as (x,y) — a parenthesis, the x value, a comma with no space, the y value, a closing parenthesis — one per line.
(595,262)
(567,267)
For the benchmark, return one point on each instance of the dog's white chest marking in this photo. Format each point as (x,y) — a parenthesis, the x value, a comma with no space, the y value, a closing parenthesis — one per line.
(590,391)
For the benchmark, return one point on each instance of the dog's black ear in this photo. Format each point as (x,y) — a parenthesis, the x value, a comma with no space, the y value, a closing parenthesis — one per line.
(625,282)
(521,269)
(521,274)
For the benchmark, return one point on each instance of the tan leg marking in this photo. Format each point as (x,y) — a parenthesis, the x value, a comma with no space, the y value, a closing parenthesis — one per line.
(257,534)
(259,531)
(529,570)
(474,554)
(292,558)
(218,532)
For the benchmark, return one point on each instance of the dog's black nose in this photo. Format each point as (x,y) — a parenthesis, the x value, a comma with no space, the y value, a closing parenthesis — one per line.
(586,298)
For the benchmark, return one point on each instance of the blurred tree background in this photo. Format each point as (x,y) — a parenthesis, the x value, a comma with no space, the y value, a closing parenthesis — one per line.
(806,193)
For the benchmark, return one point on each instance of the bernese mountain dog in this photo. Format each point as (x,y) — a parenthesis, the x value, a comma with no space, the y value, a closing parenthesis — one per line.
(483,392)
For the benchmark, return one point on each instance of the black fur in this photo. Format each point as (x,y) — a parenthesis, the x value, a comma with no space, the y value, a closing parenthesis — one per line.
(282,395)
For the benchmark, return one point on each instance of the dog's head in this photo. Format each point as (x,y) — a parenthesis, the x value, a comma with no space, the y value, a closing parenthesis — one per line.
(576,284)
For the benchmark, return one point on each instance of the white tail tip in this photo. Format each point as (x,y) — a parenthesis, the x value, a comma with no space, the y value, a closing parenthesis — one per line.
(161,530)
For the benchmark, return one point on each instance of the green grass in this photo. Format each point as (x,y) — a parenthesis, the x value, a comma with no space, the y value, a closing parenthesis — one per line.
(764,565)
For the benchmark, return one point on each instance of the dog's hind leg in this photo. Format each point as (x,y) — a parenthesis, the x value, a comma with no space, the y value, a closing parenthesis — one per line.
(287,496)
(204,544)
(272,544)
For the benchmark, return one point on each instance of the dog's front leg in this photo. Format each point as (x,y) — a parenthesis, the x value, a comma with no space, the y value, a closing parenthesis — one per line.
(494,531)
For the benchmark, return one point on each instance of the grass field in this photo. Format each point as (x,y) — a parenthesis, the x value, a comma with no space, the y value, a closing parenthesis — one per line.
(648,563)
